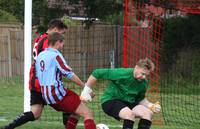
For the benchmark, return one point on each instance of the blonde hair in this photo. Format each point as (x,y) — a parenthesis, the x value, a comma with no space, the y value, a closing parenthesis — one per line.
(146,63)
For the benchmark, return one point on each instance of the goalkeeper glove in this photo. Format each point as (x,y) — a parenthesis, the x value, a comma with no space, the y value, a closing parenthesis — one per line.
(85,94)
(155,107)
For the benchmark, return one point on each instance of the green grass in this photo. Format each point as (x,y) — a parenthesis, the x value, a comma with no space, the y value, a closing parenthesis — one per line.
(11,105)
(180,100)
(57,125)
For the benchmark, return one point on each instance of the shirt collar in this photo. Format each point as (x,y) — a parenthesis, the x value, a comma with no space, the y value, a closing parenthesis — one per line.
(52,49)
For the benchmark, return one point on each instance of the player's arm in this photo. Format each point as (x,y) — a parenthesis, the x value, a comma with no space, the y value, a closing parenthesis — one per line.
(67,71)
(92,80)
(108,74)
(77,80)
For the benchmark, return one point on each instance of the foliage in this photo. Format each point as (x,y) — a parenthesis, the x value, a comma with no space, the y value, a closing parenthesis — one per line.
(106,10)
(7,17)
(102,8)
(14,7)
(179,33)
(41,14)
(39,8)
(68,21)
(116,18)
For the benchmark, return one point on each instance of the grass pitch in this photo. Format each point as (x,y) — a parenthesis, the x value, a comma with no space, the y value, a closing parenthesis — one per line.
(11,105)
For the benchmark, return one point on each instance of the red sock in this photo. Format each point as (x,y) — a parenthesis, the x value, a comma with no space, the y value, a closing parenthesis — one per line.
(89,124)
(71,123)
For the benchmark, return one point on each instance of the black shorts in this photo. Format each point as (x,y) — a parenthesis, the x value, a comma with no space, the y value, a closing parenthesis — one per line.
(36,98)
(113,107)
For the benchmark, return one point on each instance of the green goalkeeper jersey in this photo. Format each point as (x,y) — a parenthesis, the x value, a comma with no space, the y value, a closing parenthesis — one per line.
(123,86)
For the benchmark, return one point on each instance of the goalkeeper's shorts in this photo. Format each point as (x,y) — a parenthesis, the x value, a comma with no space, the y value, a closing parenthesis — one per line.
(113,107)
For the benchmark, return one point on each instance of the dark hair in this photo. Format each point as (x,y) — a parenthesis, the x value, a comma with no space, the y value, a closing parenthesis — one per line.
(56,23)
(54,37)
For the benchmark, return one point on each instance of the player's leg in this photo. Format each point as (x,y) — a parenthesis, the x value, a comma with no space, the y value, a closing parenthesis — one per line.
(145,114)
(65,118)
(84,111)
(70,120)
(119,110)
(20,120)
(37,110)
(25,117)
(128,116)
(72,103)
(37,104)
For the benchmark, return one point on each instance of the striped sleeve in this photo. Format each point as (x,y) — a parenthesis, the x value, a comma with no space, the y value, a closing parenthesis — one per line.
(63,67)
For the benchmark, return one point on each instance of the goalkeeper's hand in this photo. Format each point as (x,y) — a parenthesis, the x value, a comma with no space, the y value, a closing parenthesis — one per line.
(155,107)
(86,94)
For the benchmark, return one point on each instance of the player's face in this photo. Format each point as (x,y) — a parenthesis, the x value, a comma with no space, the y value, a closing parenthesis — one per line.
(62,31)
(140,73)
(61,44)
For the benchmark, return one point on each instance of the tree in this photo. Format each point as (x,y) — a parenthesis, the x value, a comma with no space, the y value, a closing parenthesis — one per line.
(105,10)
(7,17)
(179,33)
(14,7)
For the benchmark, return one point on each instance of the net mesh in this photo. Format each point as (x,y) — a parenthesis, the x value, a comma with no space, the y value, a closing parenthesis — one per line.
(145,23)
(142,38)
(186,6)
(180,92)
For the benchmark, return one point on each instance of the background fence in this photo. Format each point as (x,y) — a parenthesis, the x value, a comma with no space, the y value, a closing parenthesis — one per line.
(11,50)
(84,49)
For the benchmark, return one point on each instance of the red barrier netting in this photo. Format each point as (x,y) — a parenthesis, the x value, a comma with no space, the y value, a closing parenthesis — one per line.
(143,24)
(187,6)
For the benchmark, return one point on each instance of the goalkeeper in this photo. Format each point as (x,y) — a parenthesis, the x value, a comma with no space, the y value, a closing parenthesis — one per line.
(124,97)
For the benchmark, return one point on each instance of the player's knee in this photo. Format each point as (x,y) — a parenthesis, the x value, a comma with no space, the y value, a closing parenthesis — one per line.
(36,114)
(129,116)
(37,110)
(147,114)
(126,113)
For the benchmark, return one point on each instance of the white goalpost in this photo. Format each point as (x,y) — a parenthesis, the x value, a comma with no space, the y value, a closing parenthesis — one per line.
(27,51)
